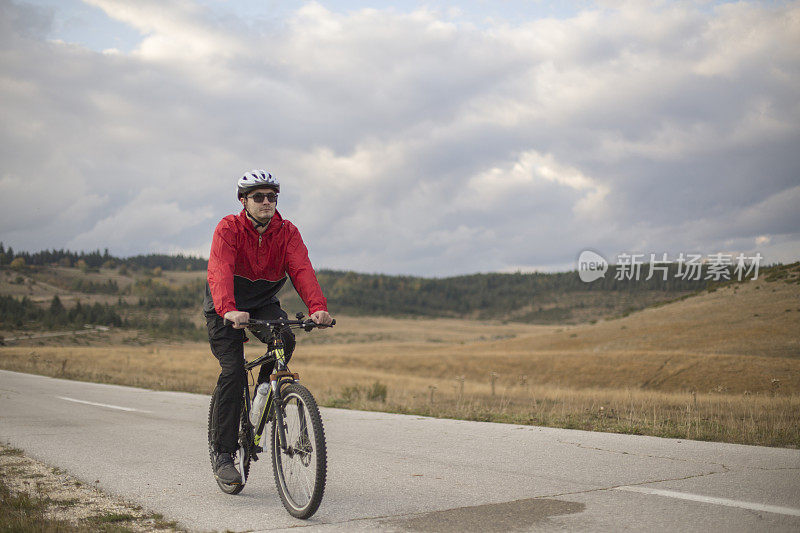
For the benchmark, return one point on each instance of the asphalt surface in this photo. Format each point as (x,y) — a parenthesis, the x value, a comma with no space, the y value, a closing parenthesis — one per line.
(403,473)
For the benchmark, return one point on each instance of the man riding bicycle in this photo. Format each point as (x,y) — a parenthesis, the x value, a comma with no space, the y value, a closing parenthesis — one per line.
(251,254)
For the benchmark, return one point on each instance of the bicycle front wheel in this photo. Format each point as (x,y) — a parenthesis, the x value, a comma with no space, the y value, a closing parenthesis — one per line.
(300,469)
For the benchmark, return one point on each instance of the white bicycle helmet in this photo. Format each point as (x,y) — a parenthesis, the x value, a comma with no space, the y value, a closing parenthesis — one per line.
(256,179)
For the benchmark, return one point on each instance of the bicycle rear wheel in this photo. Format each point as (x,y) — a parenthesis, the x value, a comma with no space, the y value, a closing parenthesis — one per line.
(300,470)
(237,457)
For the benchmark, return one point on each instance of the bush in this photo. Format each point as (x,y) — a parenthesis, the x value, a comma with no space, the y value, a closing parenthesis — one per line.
(377,392)
(350,394)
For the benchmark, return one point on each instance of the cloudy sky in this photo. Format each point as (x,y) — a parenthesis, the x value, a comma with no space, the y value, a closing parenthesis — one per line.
(429,138)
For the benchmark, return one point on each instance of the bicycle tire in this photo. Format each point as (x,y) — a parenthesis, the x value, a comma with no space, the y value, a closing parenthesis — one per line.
(300,475)
(224,487)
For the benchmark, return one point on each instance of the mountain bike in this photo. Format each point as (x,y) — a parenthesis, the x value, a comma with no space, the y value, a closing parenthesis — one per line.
(297,439)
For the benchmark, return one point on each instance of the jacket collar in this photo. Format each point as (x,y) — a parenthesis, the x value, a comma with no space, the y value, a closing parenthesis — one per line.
(275,222)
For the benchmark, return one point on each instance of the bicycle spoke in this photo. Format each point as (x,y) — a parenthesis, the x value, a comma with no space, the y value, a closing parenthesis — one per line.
(299,480)
(300,468)
(298,471)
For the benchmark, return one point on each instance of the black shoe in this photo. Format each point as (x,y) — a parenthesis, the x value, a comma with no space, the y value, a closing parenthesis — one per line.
(225,471)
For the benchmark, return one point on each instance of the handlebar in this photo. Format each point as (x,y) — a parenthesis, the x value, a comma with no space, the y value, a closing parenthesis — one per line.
(306,324)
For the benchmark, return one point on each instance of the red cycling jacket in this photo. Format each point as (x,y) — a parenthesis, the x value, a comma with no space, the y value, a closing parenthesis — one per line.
(247,269)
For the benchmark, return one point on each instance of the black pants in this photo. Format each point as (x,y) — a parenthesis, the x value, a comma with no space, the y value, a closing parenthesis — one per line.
(227,346)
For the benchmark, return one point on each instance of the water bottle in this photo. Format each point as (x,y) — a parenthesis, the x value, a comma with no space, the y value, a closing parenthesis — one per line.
(258,403)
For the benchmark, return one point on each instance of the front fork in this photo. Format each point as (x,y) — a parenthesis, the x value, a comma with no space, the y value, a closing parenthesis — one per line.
(303,443)
(277,408)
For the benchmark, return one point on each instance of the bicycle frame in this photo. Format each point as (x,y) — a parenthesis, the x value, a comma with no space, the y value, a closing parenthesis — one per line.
(280,375)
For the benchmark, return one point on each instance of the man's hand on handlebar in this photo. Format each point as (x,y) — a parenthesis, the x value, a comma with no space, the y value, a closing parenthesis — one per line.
(239,318)
(322,317)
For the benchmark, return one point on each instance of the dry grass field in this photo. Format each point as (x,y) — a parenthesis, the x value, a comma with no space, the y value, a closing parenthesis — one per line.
(723,365)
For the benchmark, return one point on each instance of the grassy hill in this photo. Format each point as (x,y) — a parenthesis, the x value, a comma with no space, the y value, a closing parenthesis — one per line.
(754,318)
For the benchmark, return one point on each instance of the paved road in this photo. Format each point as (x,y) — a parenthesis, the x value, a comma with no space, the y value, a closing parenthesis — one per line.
(404,473)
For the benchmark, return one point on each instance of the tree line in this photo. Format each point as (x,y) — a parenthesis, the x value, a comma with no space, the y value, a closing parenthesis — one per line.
(19,313)
(480,295)
(96,259)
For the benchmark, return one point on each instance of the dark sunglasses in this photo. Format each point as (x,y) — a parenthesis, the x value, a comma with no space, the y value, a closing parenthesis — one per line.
(259,197)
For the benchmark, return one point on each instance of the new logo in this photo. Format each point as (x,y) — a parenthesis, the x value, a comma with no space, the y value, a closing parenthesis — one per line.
(591,266)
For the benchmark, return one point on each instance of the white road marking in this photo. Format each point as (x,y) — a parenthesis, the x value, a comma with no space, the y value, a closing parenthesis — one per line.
(102,405)
(716,501)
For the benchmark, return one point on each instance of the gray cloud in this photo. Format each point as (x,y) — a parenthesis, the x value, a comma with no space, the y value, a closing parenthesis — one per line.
(409,142)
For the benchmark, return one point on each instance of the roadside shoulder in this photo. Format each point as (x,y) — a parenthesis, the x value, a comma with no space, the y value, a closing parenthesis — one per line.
(38,497)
